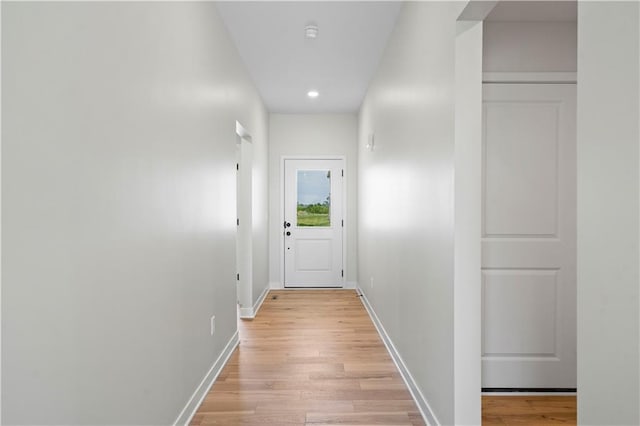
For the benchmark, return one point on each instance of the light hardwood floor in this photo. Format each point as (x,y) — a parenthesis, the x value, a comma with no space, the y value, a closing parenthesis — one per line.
(309,357)
(528,410)
(313,357)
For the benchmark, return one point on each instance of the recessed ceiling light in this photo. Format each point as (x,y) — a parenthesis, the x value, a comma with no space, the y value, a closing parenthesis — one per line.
(313,93)
(311,31)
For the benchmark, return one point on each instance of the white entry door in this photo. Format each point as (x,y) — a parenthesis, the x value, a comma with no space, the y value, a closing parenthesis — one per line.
(313,223)
(529,236)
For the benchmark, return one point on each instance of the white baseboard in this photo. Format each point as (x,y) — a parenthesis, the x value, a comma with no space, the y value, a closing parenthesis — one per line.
(427,413)
(250,313)
(189,410)
(260,300)
(351,285)
(246,313)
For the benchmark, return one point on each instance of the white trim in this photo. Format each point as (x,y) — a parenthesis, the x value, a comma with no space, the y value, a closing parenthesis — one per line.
(281,222)
(314,289)
(423,405)
(529,393)
(250,313)
(348,285)
(529,77)
(189,410)
(260,301)
(344,211)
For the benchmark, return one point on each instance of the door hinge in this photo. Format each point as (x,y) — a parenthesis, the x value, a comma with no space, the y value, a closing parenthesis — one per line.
(237,277)
(342,273)
(237,222)
(237,166)
(343,223)
(342,172)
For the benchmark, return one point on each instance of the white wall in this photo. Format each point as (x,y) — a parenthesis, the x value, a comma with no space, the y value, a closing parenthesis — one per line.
(406,196)
(118,187)
(529,47)
(608,213)
(260,209)
(313,135)
(468,205)
(260,204)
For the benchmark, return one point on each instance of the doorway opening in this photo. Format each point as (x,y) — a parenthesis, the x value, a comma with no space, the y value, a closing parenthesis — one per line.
(515,188)
(529,176)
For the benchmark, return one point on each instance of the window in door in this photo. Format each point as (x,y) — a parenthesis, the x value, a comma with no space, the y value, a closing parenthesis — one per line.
(314,198)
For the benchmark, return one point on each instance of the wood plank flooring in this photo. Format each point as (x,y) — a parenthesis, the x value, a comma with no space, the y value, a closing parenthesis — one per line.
(528,410)
(314,357)
(310,357)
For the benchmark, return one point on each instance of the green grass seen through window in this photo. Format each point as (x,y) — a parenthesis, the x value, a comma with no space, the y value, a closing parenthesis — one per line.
(313,215)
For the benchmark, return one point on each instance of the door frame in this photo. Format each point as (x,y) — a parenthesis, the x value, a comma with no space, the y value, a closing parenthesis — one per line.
(345,232)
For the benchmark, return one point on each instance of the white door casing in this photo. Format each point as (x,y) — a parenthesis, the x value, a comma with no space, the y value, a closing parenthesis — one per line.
(529,236)
(313,246)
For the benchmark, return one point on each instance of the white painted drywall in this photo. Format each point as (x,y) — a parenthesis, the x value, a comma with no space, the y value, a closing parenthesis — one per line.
(312,135)
(259,131)
(118,187)
(608,213)
(244,235)
(468,204)
(529,47)
(259,206)
(406,196)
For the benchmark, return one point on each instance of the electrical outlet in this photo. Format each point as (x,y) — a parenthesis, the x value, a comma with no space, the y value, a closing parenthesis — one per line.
(213,324)
(371,282)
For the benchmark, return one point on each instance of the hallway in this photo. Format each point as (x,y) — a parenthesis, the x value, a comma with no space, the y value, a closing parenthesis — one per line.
(309,357)
(146,203)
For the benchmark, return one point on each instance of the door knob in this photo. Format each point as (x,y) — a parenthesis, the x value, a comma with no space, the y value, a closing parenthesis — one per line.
(287,224)
(288,233)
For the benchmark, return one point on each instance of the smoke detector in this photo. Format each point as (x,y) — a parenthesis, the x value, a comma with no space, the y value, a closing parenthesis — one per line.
(311,31)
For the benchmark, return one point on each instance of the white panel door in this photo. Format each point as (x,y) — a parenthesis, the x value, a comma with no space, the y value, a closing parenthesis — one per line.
(313,223)
(529,236)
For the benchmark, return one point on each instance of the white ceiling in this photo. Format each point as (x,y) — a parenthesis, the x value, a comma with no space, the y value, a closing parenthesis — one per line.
(534,11)
(340,62)
(284,65)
